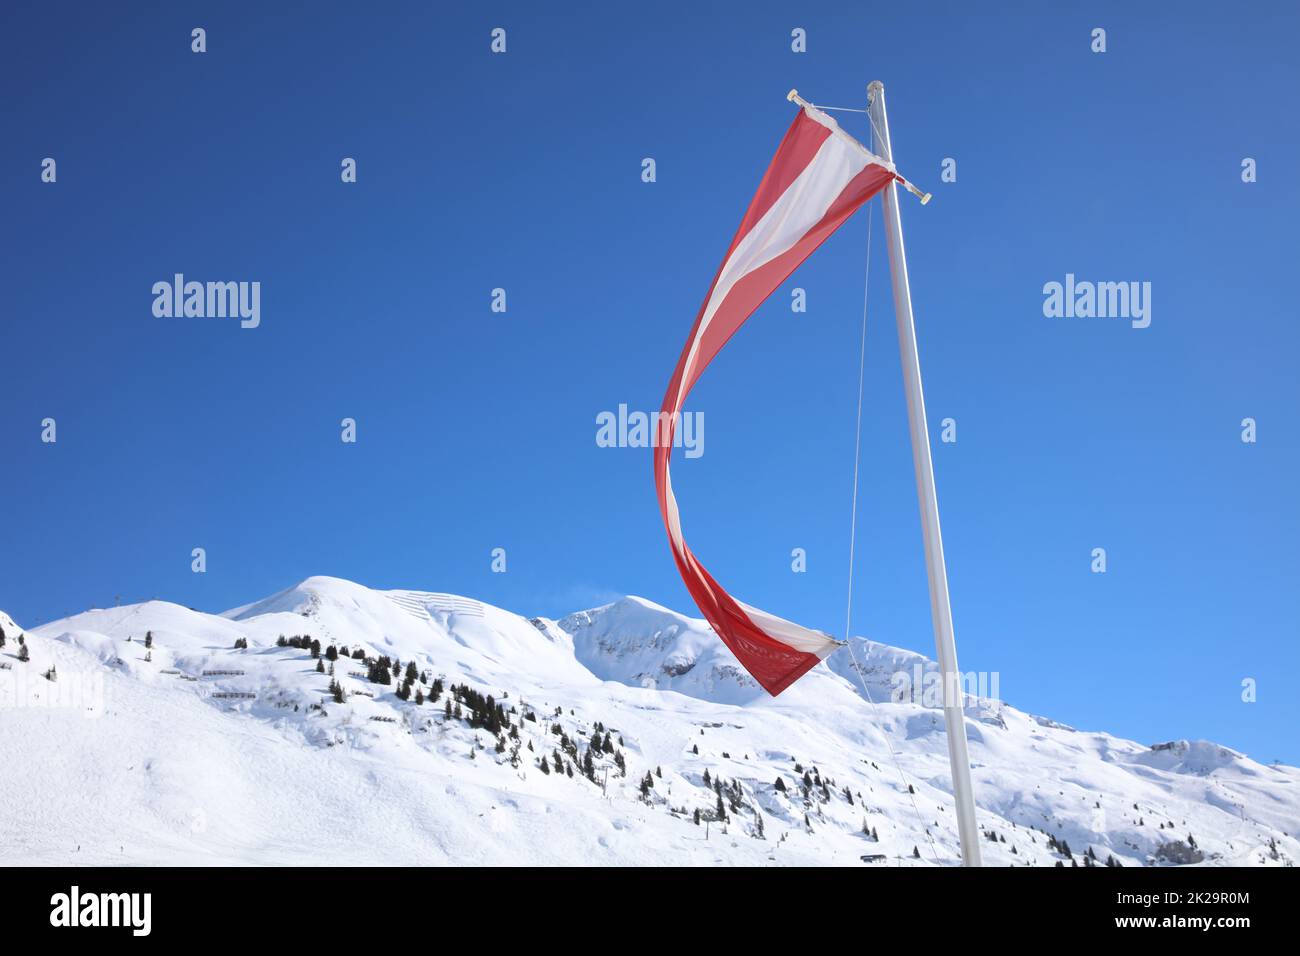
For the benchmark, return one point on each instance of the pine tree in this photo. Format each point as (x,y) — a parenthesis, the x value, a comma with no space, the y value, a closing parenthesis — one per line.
(281,642)
(148,640)
(320,666)
(779,785)
(23,654)
(697,816)
(916,854)
(412,672)
(337,689)
(419,697)
(315,648)
(332,653)
(696,750)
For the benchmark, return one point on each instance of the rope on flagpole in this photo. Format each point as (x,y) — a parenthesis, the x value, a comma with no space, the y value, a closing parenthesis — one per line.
(857,441)
(853,537)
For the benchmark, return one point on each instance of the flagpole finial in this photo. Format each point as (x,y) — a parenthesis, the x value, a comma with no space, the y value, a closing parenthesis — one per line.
(794,97)
(874,87)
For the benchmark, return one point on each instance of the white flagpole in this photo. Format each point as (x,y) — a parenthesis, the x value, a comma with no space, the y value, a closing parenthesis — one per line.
(940,609)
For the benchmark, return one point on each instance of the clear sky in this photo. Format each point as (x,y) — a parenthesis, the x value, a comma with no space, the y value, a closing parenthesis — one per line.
(477,430)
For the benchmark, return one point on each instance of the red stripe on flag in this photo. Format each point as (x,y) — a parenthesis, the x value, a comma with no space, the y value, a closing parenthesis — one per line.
(774,665)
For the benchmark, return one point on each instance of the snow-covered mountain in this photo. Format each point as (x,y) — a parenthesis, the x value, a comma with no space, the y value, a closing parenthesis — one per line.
(626,734)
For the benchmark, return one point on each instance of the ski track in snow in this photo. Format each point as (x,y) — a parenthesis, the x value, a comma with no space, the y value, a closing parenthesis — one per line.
(121,762)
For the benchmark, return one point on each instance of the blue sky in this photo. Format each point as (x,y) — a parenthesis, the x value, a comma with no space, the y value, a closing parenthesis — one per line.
(477,430)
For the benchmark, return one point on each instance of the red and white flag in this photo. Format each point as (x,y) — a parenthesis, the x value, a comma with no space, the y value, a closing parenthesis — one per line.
(818,178)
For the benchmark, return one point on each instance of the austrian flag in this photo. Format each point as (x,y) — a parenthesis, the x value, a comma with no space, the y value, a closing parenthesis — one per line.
(818,178)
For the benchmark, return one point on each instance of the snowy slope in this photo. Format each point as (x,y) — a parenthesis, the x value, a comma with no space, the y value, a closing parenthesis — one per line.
(194,750)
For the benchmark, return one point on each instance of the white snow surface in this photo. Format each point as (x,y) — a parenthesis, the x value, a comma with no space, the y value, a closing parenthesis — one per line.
(130,756)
